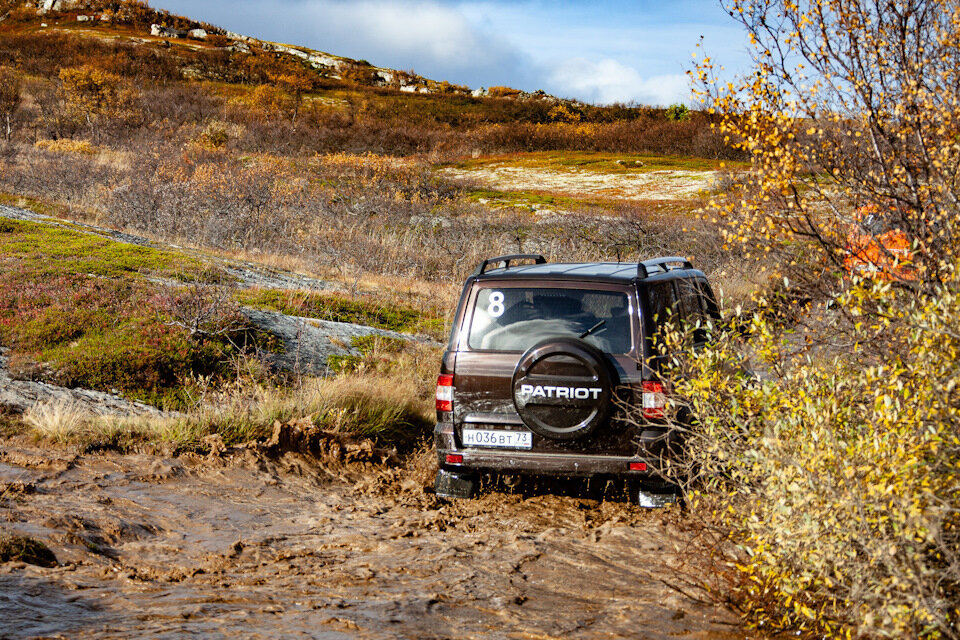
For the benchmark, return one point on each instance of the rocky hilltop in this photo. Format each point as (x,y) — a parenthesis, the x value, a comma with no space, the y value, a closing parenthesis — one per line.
(182,30)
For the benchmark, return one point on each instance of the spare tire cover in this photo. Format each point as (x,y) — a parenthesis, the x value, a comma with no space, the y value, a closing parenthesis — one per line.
(563,388)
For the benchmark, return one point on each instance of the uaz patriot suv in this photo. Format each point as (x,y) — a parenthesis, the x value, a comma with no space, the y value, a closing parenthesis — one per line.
(543,361)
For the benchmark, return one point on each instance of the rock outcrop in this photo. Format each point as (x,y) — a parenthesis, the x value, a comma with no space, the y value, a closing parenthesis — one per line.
(308,343)
(20,395)
(160,31)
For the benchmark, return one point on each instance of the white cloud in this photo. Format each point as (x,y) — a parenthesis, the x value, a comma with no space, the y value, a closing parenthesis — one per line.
(434,38)
(601,52)
(412,28)
(609,81)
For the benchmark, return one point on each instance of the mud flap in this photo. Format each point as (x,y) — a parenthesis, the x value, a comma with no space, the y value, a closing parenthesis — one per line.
(450,484)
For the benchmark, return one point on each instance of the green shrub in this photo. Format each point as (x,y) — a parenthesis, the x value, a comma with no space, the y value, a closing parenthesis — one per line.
(78,308)
(677,112)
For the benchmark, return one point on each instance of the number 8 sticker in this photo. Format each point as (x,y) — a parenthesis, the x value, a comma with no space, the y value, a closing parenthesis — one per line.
(496,308)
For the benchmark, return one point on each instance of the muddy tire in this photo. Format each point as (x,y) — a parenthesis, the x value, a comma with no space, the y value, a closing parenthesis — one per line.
(563,388)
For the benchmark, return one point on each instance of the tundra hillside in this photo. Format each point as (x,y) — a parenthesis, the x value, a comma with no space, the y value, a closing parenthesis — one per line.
(375,181)
(823,477)
(242,146)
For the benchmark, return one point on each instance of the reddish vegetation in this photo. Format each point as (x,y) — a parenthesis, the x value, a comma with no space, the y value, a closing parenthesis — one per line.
(874,250)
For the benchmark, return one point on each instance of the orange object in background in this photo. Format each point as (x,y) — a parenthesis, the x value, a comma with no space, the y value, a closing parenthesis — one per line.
(884,254)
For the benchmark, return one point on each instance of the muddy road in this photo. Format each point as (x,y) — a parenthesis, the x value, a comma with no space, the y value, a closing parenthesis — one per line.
(244,545)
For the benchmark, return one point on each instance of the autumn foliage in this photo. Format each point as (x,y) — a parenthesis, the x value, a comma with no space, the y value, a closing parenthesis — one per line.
(826,440)
(94,96)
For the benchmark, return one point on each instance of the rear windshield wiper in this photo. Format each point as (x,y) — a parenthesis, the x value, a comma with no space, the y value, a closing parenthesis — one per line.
(592,329)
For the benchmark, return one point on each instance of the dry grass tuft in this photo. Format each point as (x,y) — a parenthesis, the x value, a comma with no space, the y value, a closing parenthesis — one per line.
(60,420)
(67,145)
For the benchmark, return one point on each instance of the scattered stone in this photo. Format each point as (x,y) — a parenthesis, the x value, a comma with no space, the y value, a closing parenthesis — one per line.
(166,32)
(55,5)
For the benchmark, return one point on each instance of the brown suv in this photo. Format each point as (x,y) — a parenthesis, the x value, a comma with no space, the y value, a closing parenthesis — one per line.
(546,360)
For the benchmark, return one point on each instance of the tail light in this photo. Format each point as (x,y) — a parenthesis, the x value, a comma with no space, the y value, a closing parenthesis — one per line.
(654,400)
(445,392)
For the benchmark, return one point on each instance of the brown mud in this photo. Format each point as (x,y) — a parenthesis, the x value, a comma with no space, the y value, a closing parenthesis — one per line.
(242,544)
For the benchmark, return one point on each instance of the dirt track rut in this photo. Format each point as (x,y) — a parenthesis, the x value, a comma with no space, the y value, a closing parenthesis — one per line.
(260,548)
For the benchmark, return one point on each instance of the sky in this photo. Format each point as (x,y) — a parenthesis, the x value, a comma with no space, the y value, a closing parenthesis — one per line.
(599,52)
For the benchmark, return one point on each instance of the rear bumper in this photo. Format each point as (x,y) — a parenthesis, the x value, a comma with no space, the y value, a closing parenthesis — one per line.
(529,462)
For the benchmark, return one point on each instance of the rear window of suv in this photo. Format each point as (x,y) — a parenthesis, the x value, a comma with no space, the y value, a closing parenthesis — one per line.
(514,319)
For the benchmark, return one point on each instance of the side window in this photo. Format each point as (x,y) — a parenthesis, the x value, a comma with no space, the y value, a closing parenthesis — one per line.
(663,309)
(691,308)
(681,304)
(695,307)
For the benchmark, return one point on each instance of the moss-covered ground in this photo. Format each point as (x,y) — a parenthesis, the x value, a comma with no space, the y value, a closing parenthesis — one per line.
(342,308)
(81,310)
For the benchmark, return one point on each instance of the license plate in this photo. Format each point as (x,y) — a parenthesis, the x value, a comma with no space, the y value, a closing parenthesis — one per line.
(497,438)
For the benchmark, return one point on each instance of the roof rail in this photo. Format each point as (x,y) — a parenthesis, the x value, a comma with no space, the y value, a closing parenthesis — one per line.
(536,257)
(661,265)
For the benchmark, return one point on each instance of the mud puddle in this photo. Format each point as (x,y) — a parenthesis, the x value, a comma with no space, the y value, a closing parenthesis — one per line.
(260,548)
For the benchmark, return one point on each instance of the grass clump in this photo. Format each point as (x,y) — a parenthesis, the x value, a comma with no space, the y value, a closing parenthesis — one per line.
(14,548)
(374,351)
(391,411)
(59,421)
(387,396)
(392,417)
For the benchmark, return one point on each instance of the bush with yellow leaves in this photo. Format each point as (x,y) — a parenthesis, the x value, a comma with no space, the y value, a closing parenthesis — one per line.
(97,98)
(834,480)
(833,477)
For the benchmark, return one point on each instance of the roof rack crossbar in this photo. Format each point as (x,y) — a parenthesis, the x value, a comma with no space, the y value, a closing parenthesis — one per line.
(662,264)
(536,257)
